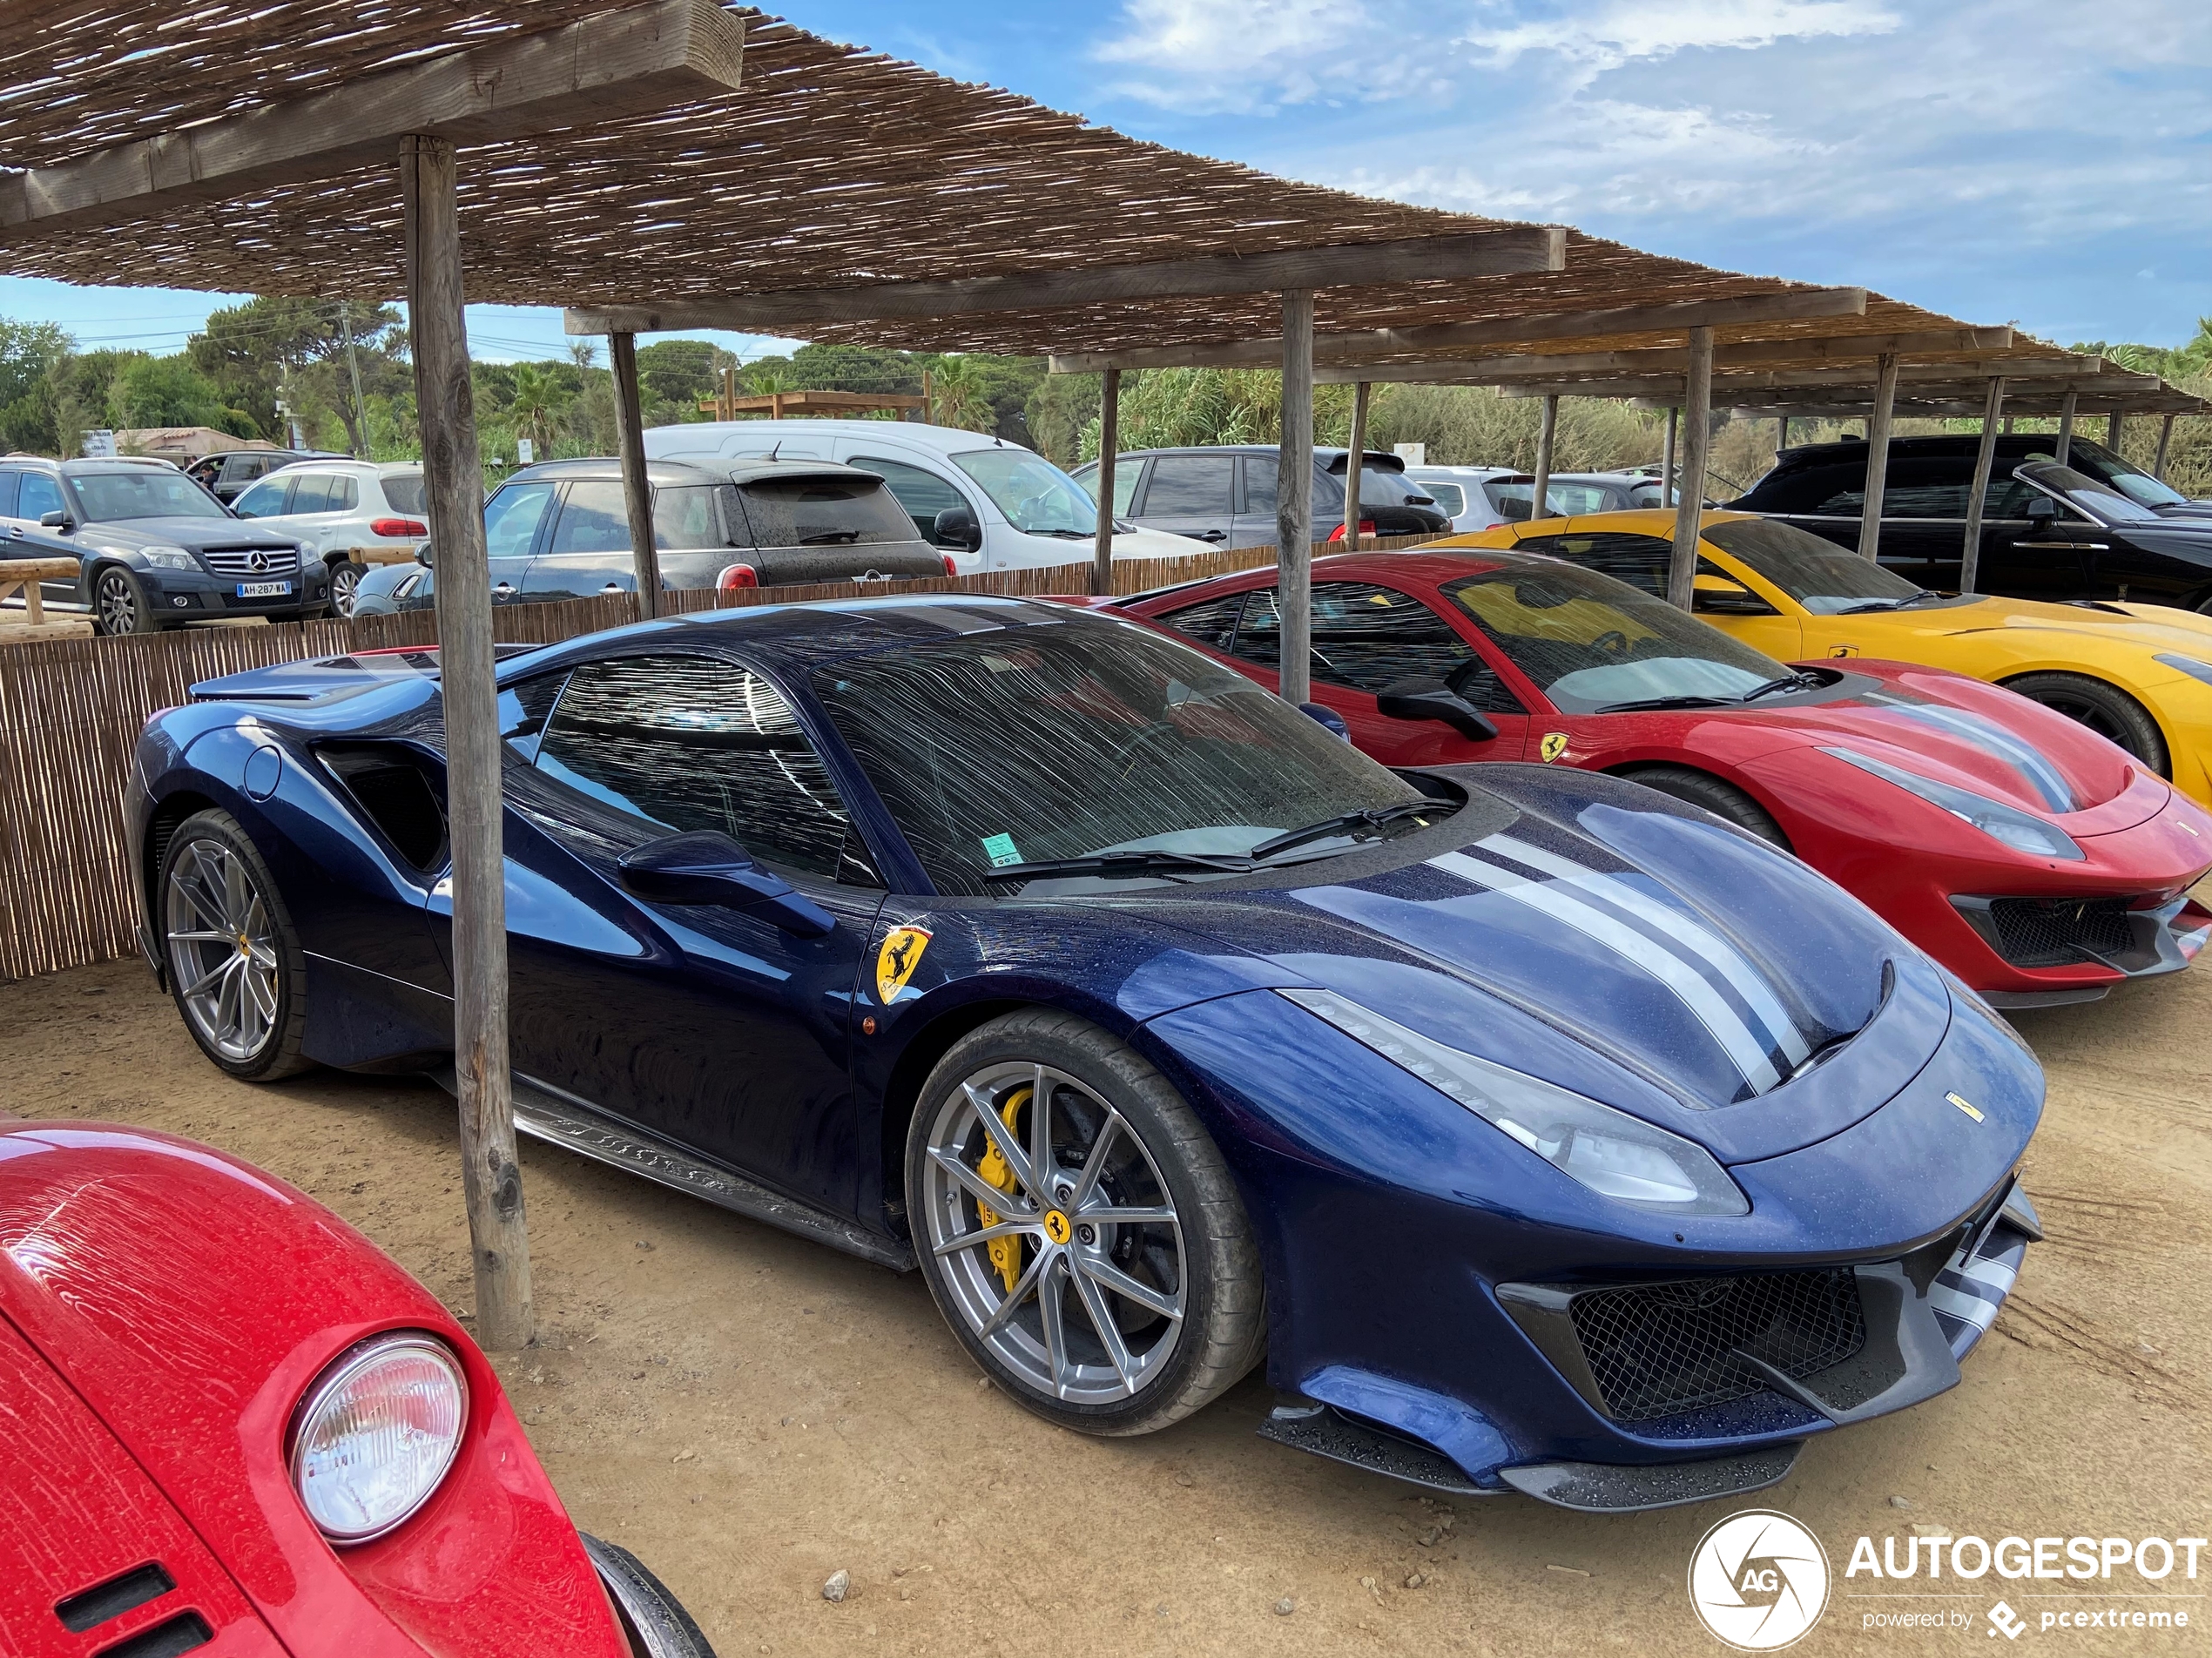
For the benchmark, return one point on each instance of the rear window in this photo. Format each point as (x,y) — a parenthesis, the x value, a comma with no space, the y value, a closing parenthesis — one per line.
(404,494)
(823,512)
(1450,499)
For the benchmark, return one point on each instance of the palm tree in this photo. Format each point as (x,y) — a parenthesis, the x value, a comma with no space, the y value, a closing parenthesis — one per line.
(584,354)
(957,395)
(539,401)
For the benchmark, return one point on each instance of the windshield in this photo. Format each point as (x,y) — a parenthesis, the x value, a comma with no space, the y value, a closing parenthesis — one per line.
(1061,741)
(2100,501)
(1818,574)
(1590,642)
(113,497)
(1036,497)
(2129,479)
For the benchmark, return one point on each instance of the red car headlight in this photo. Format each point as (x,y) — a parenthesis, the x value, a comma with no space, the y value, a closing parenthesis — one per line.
(377,1433)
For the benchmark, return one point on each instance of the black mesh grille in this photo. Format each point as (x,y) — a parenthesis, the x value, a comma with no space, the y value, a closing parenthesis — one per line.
(2041,932)
(1658,1349)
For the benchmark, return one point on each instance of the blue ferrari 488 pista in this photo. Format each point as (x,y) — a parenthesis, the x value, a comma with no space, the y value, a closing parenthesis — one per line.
(1544,1133)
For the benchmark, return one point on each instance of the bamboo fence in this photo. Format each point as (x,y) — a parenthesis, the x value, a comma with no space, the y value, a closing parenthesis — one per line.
(72,711)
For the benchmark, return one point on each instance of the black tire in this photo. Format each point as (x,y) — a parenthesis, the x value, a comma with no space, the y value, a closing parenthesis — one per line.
(189,900)
(119,604)
(653,1618)
(345,580)
(1223,1329)
(2104,709)
(1723,799)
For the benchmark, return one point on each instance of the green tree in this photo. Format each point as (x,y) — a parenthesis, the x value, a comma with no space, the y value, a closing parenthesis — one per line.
(169,391)
(540,401)
(30,352)
(303,351)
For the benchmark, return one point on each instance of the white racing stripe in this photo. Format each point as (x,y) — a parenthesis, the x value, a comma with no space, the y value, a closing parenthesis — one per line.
(1994,739)
(1969,1310)
(1745,1050)
(1724,957)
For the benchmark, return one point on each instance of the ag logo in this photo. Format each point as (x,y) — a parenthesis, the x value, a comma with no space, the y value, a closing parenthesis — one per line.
(1759,1581)
(896,961)
(1552,747)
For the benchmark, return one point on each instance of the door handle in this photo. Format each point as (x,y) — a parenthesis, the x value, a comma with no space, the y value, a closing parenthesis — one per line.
(1211,535)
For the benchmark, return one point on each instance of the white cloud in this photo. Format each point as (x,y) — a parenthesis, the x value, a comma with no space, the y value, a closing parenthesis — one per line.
(1625,31)
(1241,56)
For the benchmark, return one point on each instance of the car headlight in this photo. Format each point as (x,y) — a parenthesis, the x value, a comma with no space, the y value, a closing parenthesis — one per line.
(2019,830)
(377,1433)
(1612,1153)
(161,556)
(2188,666)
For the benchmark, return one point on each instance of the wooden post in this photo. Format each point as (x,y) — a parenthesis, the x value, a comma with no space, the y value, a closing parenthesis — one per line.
(2066,426)
(1667,460)
(1294,499)
(1109,441)
(637,494)
(1782,434)
(1977,495)
(2009,425)
(1547,432)
(2165,439)
(1689,509)
(1357,448)
(454,489)
(1877,455)
(2112,431)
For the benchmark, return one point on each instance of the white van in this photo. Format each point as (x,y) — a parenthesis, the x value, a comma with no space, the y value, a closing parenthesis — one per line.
(988,503)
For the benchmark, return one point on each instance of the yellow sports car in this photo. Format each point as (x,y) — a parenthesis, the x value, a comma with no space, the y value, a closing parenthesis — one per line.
(2138,674)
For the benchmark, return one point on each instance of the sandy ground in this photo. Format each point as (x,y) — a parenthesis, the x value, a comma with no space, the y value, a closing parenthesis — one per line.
(750,1413)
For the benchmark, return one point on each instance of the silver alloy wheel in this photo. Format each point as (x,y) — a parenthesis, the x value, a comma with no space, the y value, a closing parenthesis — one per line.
(1096,1307)
(222,951)
(345,581)
(115,602)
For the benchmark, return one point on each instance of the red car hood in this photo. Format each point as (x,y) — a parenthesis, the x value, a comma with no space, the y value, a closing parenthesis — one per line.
(1978,737)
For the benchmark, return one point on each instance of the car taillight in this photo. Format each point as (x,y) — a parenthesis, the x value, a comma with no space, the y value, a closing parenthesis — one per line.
(1366,527)
(951,569)
(397,528)
(738,575)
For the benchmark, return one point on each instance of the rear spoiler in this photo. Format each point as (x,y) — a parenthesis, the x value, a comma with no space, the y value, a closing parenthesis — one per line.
(1338,465)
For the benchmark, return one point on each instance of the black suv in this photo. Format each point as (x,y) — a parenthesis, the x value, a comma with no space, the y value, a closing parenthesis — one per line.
(561,531)
(155,548)
(1226,494)
(2098,528)
(227,475)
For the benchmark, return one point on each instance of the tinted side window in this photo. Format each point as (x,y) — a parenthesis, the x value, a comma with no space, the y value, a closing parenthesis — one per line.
(683,742)
(314,493)
(1929,488)
(1368,638)
(1641,561)
(1260,472)
(1802,488)
(345,494)
(1189,485)
(265,500)
(593,520)
(8,493)
(523,711)
(1213,623)
(684,518)
(924,494)
(511,518)
(39,495)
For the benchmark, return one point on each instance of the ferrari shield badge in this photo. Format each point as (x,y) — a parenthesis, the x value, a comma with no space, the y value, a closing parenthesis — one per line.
(896,961)
(1552,747)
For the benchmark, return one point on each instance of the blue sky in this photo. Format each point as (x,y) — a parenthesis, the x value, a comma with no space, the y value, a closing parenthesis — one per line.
(2039,162)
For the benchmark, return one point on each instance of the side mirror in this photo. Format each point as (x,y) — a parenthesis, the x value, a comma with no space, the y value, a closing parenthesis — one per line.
(956,527)
(2041,511)
(53,521)
(422,555)
(706,866)
(1434,699)
(1718,596)
(1327,718)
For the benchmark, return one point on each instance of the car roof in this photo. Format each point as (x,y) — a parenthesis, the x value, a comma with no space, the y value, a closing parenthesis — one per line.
(689,469)
(942,440)
(88,466)
(1948,443)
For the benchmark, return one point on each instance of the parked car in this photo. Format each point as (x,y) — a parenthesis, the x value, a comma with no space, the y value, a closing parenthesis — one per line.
(1478,497)
(2139,675)
(1032,948)
(226,475)
(155,549)
(561,531)
(2099,528)
(231,1422)
(1224,494)
(1461,494)
(2022,851)
(340,509)
(991,504)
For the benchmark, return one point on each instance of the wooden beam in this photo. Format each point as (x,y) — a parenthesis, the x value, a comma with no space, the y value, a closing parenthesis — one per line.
(1689,509)
(1509,249)
(1970,344)
(1294,501)
(2051,369)
(1877,458)
(1540,486)
(1110,440)
(632,60)
(453,480)
(1978,493)
(1356,453)
(637,493)
(1793,304)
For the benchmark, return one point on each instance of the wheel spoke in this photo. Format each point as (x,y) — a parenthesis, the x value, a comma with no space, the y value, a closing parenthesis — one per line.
(201,938)
(981,1190)
(229,1015)
(1108,1276)
(1052,1310)
(264,988)
(1040,1134)
(1109,1216)
(1102,1320)
(202,902)
(228,964)
(1016,1296)
(1000,1135)
(989,1234)
(1095,1164)
(237,897)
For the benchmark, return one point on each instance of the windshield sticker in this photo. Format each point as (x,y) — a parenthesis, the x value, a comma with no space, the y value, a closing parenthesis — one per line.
(1000,850)
(896,961)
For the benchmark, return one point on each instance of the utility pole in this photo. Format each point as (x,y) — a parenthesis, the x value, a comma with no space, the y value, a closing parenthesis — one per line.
(354,357)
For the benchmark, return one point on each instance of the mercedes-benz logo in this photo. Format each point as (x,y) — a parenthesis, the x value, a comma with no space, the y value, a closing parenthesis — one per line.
(257,561)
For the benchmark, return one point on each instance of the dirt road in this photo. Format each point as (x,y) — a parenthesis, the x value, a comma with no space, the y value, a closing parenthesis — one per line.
(750,1414)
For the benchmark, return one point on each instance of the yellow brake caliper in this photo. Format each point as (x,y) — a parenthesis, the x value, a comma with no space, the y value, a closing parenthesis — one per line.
(1005,1252)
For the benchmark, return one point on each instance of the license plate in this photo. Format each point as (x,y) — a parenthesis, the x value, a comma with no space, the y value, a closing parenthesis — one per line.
(263,590)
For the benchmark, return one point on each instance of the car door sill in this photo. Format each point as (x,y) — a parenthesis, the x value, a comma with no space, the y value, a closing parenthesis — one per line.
(549,1114)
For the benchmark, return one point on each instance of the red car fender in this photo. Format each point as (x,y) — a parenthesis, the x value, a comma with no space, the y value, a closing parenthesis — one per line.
(192,1300)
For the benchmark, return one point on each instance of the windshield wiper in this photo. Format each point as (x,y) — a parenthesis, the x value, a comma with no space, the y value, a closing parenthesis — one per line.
(1913,598)
(842,537)
(1667,702)
(1788,682)
(1346,823)
(1120,866)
